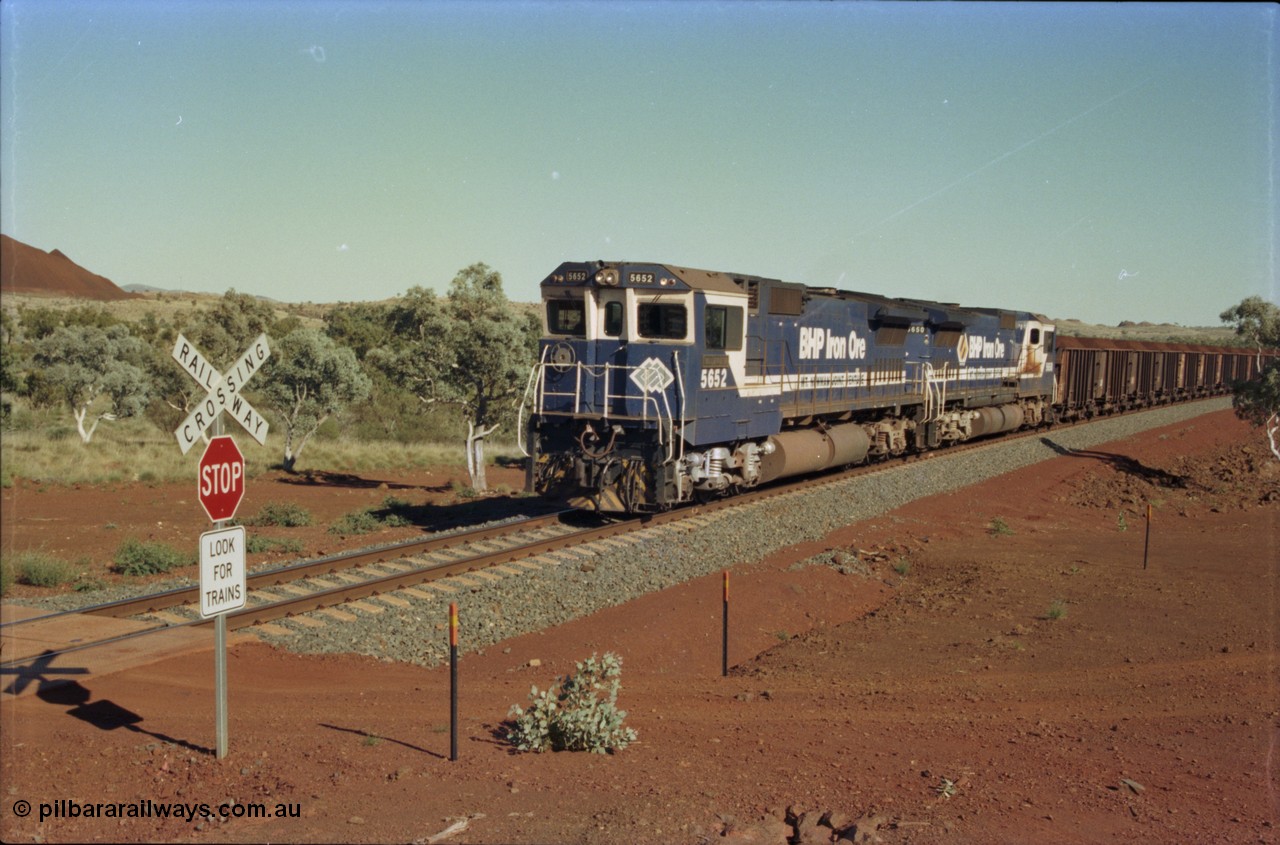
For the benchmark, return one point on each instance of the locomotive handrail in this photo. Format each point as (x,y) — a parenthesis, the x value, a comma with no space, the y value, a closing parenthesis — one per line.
(933,391)
(684,407)
(533,383)
(601,377)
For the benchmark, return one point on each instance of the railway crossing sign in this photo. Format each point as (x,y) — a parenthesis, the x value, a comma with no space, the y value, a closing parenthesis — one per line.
(221,478)
(223,391)
(222,571)
(220,487)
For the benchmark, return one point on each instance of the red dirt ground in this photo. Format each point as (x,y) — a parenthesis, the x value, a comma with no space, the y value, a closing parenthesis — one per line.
(973,687)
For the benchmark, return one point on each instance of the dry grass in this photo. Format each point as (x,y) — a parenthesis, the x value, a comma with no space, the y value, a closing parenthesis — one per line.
(131,451)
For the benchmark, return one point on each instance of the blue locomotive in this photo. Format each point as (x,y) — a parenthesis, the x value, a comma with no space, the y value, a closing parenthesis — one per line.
(659,385)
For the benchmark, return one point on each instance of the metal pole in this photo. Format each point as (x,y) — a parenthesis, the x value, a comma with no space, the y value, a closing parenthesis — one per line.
(453,681)
(220,654)
(724,634)
(220,681)
(1146,546)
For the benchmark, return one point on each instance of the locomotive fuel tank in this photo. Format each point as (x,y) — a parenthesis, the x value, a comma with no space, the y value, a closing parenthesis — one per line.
(811,450)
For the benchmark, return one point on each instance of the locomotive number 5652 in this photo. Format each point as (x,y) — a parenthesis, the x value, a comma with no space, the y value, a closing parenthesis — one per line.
(715,377)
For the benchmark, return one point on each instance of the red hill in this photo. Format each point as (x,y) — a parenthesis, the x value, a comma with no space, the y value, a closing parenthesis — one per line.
(25,269)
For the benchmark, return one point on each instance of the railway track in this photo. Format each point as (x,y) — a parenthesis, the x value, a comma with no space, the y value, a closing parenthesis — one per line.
(325,584)
(361,574)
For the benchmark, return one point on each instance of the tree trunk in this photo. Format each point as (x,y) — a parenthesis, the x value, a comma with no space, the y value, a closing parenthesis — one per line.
(475,455)
(85,436)
(291,454)
(481,483)
(80,414)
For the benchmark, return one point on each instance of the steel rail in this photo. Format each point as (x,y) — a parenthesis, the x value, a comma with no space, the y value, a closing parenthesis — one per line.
(377,585)
(305,569)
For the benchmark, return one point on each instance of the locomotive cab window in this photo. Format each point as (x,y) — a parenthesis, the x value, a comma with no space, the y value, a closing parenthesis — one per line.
(567,317)
(723,327)
(662,321)
(613,319)
(1035,337)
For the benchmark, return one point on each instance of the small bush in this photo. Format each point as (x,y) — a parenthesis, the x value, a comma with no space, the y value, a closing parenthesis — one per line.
(902,567)
(135,557)
(999,528)
(283,514)
(256,544)
(463,491)
(1057,610)
(360,522)
(390,515)
(574,717)
(39,569)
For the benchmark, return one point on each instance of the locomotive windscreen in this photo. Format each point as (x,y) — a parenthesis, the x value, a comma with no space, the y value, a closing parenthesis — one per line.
(567,316)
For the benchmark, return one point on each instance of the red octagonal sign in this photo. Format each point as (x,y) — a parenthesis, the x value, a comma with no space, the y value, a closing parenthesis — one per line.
(221,483)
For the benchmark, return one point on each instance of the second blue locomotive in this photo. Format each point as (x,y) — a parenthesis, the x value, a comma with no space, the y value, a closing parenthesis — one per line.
(659,385)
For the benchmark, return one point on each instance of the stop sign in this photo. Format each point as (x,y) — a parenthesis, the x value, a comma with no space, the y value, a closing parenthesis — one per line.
(221,481)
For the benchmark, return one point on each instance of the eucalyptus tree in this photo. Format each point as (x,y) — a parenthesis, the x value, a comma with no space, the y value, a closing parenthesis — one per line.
(96,373)
(1257,322)
(309,378)
(471,350)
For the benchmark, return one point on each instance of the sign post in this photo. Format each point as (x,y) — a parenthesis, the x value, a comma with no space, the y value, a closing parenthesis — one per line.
(220,487)
(222,590)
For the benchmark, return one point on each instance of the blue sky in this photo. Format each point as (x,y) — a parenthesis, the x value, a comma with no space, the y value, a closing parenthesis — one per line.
(1106,162)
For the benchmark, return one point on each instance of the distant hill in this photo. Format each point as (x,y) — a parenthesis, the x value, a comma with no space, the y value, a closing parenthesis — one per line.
(26,269)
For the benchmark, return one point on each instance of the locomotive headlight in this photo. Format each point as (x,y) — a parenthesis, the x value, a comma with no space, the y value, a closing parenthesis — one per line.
(607,277)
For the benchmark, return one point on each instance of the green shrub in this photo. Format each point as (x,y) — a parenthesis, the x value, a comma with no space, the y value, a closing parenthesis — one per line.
(463,491)
(999,528)
(390,515)
(283,514)
(1057,610)
(39,569)
(393,512)
(135,557)
(574,717)
(360,522)
(256,544)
